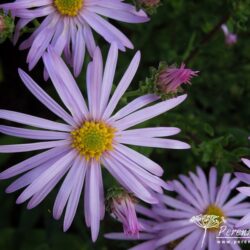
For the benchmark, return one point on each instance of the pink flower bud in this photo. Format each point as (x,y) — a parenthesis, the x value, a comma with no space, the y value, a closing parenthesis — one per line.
(171,78)
(123,209)
(230,38)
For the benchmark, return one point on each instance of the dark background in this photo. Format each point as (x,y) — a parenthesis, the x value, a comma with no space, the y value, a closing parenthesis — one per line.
(214,119)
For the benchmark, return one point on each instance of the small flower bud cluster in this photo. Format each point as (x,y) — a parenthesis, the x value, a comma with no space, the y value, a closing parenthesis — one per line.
(6,27)
(150,6)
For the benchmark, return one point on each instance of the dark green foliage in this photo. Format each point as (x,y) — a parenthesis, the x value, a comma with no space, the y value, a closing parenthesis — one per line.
(214,119)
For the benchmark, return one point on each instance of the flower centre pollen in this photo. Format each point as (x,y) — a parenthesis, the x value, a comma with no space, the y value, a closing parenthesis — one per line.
(92,139)
(68,7)
(220,217)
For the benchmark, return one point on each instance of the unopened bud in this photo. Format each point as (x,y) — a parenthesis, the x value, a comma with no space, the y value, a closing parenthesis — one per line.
(167,81)
(149,6)
(122,207)
(230,38)
(171,78)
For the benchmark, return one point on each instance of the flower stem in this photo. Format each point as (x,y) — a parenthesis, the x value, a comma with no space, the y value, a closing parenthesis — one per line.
(132,93)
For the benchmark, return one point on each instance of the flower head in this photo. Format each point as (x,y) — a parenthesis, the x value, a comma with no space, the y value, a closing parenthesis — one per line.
(68,25)
(200,207)
(230,38)
(171,78)
(90,136)
(122,207)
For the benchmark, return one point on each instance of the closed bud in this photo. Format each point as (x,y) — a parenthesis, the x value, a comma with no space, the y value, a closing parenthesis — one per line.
(122,207)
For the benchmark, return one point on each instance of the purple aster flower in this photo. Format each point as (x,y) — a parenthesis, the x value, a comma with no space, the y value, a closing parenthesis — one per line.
(68,26)
(171,78)
(90,136)
(169,222)
(122,207)
(244,177)
(230,38)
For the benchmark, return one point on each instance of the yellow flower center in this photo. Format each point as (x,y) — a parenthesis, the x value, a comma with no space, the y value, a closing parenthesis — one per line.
(215,217)
(68,7)
(92,139)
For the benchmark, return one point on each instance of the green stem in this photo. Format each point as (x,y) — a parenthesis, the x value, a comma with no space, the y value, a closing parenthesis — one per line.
(132,93)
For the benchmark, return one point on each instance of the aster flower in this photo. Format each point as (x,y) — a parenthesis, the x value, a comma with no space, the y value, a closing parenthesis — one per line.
(89,137)
(122,207)
(230,38)
(244,177)
(169,221)
(68,26)
(171,78)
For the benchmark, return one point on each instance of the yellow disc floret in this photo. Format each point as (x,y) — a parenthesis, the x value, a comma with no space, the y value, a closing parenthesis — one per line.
(68,7)
(215,216)
(92,139)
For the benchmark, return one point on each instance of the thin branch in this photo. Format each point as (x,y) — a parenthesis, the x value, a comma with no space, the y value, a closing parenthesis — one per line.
(207,38)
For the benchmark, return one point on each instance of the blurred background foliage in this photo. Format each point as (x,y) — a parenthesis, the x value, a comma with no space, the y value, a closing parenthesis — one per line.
(214,119)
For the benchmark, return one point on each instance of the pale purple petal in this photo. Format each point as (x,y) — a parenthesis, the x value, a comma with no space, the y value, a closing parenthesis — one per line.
(65,190)
(129,180)
(33,134)
(33,121)
(123,85)
(246,161)
(94,87)
(65,85)
(244,190)
(148,113)
(44,98)
(87,196)
(245,220)
(189,185)
(16,148)
(140,159)
(30,176)
(33,162)
(47,175)
(212,184)
(175,235)
(152,142)
(42,194)
(135,105)
(145,177)
(122,236)
(150,132)
(94,201)
(75,194)
(108,76)
(191,241)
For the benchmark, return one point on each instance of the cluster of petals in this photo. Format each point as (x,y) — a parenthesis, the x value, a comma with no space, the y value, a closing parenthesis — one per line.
(42,172)
(169,221)
(71,34)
